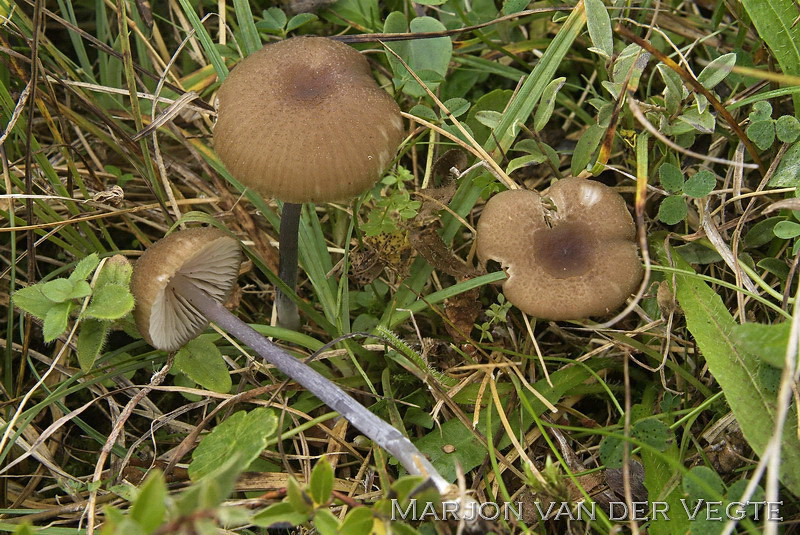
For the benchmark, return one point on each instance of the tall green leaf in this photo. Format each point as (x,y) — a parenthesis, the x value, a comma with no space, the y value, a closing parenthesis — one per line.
(244,17)
(736,371)
(774,21)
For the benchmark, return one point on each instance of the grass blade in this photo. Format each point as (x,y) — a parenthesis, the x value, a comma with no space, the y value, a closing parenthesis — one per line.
(247,25)
(774,21)
(209,47)
(521,107)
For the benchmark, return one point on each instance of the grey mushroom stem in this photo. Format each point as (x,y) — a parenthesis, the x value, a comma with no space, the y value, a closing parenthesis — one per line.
(287,268)
(334,397)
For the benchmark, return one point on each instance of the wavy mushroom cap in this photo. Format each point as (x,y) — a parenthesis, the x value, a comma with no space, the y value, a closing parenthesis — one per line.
(569,253)
(208,257)
(304,121)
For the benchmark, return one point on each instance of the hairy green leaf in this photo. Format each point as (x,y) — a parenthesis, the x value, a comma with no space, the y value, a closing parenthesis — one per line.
(55,322)
(91,339)
(116,270)
(84,268)
(33,301)
(61,290)
(110,302)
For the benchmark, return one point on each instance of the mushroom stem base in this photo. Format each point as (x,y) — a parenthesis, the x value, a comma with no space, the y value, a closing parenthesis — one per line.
(334,397)
(287,269)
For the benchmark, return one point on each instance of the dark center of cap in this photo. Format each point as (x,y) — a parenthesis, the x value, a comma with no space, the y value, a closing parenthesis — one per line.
(308,84)
(566,250)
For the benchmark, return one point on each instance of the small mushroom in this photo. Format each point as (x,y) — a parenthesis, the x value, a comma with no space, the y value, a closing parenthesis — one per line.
(304,121)
(209,258)
(179,285)
(569,252)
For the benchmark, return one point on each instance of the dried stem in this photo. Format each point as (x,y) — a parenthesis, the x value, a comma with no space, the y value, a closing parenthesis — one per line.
(334,397)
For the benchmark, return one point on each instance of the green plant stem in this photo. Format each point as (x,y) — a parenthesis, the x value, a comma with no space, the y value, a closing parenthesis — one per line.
(329,393)
(288,316)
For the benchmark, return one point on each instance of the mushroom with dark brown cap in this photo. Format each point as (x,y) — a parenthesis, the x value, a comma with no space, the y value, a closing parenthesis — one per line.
(304,121)
(179,285)
(569,253)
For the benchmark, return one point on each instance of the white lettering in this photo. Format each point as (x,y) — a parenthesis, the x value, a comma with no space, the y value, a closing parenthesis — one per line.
(612,516)
(693,514)
(412,506)
(773,511)
(591,512)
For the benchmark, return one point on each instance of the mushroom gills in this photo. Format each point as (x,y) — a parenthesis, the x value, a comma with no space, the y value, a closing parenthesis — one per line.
(180,284)
(213,270)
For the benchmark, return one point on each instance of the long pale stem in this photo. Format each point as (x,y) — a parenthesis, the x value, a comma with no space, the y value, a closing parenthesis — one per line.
(287,269)
(334,397)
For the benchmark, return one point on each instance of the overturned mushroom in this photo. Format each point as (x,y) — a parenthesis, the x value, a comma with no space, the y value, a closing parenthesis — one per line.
(179,285)
(569,252)
(304,121)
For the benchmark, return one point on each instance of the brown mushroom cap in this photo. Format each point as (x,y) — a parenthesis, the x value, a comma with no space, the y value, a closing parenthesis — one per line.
(569,253)
(208,257)
(304,121)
